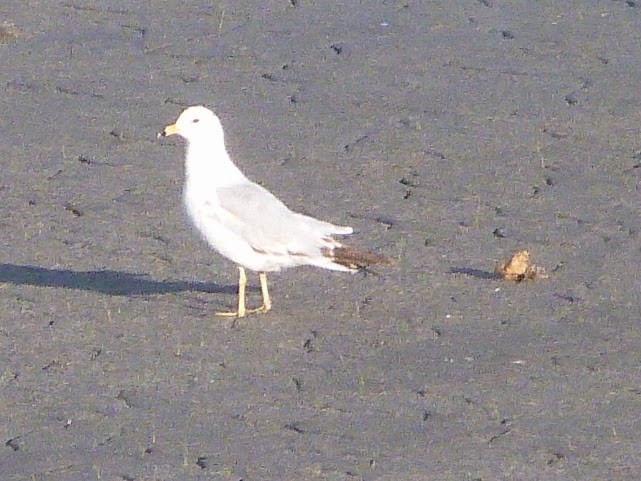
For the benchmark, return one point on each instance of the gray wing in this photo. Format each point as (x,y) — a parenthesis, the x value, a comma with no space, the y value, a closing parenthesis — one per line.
(265,223)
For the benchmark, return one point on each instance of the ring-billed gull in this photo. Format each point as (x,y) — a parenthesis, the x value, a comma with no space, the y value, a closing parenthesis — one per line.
(244,221)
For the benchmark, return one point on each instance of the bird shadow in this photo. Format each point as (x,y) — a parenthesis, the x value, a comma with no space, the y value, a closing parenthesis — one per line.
(477,273)
(113,283)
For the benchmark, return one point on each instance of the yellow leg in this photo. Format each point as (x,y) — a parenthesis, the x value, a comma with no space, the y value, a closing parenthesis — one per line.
(267,302)
(242,284)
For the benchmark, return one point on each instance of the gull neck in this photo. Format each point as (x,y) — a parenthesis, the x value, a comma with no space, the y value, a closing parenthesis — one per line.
(212,165)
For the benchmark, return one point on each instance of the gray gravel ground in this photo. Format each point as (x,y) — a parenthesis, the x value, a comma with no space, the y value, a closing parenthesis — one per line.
(448,133)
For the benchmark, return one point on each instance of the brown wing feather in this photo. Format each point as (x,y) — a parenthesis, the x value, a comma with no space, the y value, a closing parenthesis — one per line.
(353,258)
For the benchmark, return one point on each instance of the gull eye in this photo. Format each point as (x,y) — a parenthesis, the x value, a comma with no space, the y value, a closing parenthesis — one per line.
(195,121)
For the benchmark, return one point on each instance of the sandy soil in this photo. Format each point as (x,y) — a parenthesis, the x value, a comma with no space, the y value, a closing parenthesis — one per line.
(449,134)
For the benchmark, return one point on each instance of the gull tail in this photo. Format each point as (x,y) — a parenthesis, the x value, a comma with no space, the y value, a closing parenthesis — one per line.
(354,259)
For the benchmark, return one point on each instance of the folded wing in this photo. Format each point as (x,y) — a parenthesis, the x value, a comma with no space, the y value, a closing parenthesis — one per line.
(264,222)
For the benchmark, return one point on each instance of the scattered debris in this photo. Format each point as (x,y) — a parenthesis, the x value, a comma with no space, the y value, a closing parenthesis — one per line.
(507,35)
(294,427)
(73,209)
(337,48)
(118,134)
(13,443)
(518,268)
(8,31)
(571,99)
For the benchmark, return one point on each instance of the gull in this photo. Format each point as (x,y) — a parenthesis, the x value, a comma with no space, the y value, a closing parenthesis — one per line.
(245,222)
